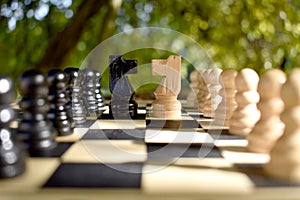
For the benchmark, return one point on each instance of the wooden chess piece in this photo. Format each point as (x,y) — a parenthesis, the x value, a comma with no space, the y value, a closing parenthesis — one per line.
(228,104)
(269,127)
(166,104)
(246,114)
(284,157)
(192,96)
(212,80)
(203,94)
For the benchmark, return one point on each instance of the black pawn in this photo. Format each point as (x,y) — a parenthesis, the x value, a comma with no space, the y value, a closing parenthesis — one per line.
(99,100)
(12,156)
(75,90)
(34,127)
(89,91)
(84,94)
(58,98)
(122,104)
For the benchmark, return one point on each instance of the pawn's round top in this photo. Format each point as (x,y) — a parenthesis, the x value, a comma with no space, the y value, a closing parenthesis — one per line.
(228,77)
(7,90)
(194,76)
(213,76)
(73,74)
(247,79)
(89,75)
(205,73)
(75,77)
(57,79)
(290,91)
(270,83)
(97,75)
(7,115)
(33,83)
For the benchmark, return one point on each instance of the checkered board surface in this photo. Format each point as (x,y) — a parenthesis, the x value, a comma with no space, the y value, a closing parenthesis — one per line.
(138,154)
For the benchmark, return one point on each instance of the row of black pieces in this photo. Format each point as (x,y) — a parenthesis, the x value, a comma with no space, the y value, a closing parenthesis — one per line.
(41,121)
(50,104)
(84,90)
(64,90)
(46,106)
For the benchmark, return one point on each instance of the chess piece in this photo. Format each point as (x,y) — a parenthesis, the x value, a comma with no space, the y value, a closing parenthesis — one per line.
(58,98)
(192,96)
(122,104)
(84,95)
(269,127)
(203,94)
(99,100)
(228,104)
(246,114)
(284,157)
(34,127)
(166,104)
(89,90)
(212,80)
(75,90)
(12,156)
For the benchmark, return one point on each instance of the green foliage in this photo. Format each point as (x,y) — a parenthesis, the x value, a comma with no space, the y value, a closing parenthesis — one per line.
(259,34)
(26,28)
(236,34)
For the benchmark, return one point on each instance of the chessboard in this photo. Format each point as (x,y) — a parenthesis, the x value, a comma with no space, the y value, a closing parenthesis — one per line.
(141,158)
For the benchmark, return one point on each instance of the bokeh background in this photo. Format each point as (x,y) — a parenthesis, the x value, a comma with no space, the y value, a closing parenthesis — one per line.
(44,34)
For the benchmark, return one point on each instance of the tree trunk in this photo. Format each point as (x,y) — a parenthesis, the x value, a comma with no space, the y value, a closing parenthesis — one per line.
(63,42)
(109,25)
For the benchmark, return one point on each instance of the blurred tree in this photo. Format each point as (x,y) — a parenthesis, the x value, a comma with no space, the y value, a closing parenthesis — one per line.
(260,34)
(44,33)
(64,41)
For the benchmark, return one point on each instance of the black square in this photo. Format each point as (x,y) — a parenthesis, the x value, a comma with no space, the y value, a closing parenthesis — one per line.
(95,175)
(56,152)
(157,151)
(115,134)
(108,116)
(180,124)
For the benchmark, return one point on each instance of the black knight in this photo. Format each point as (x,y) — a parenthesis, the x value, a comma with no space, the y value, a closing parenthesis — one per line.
(122,104)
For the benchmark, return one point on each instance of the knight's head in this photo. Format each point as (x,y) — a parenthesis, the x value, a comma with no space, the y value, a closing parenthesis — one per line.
(119,66)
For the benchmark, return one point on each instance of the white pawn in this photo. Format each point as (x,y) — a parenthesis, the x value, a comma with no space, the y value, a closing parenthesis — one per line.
(228,104)
(285,161)
(246,114)
(203,94)
(192,96)
(212,80)
(269,127)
